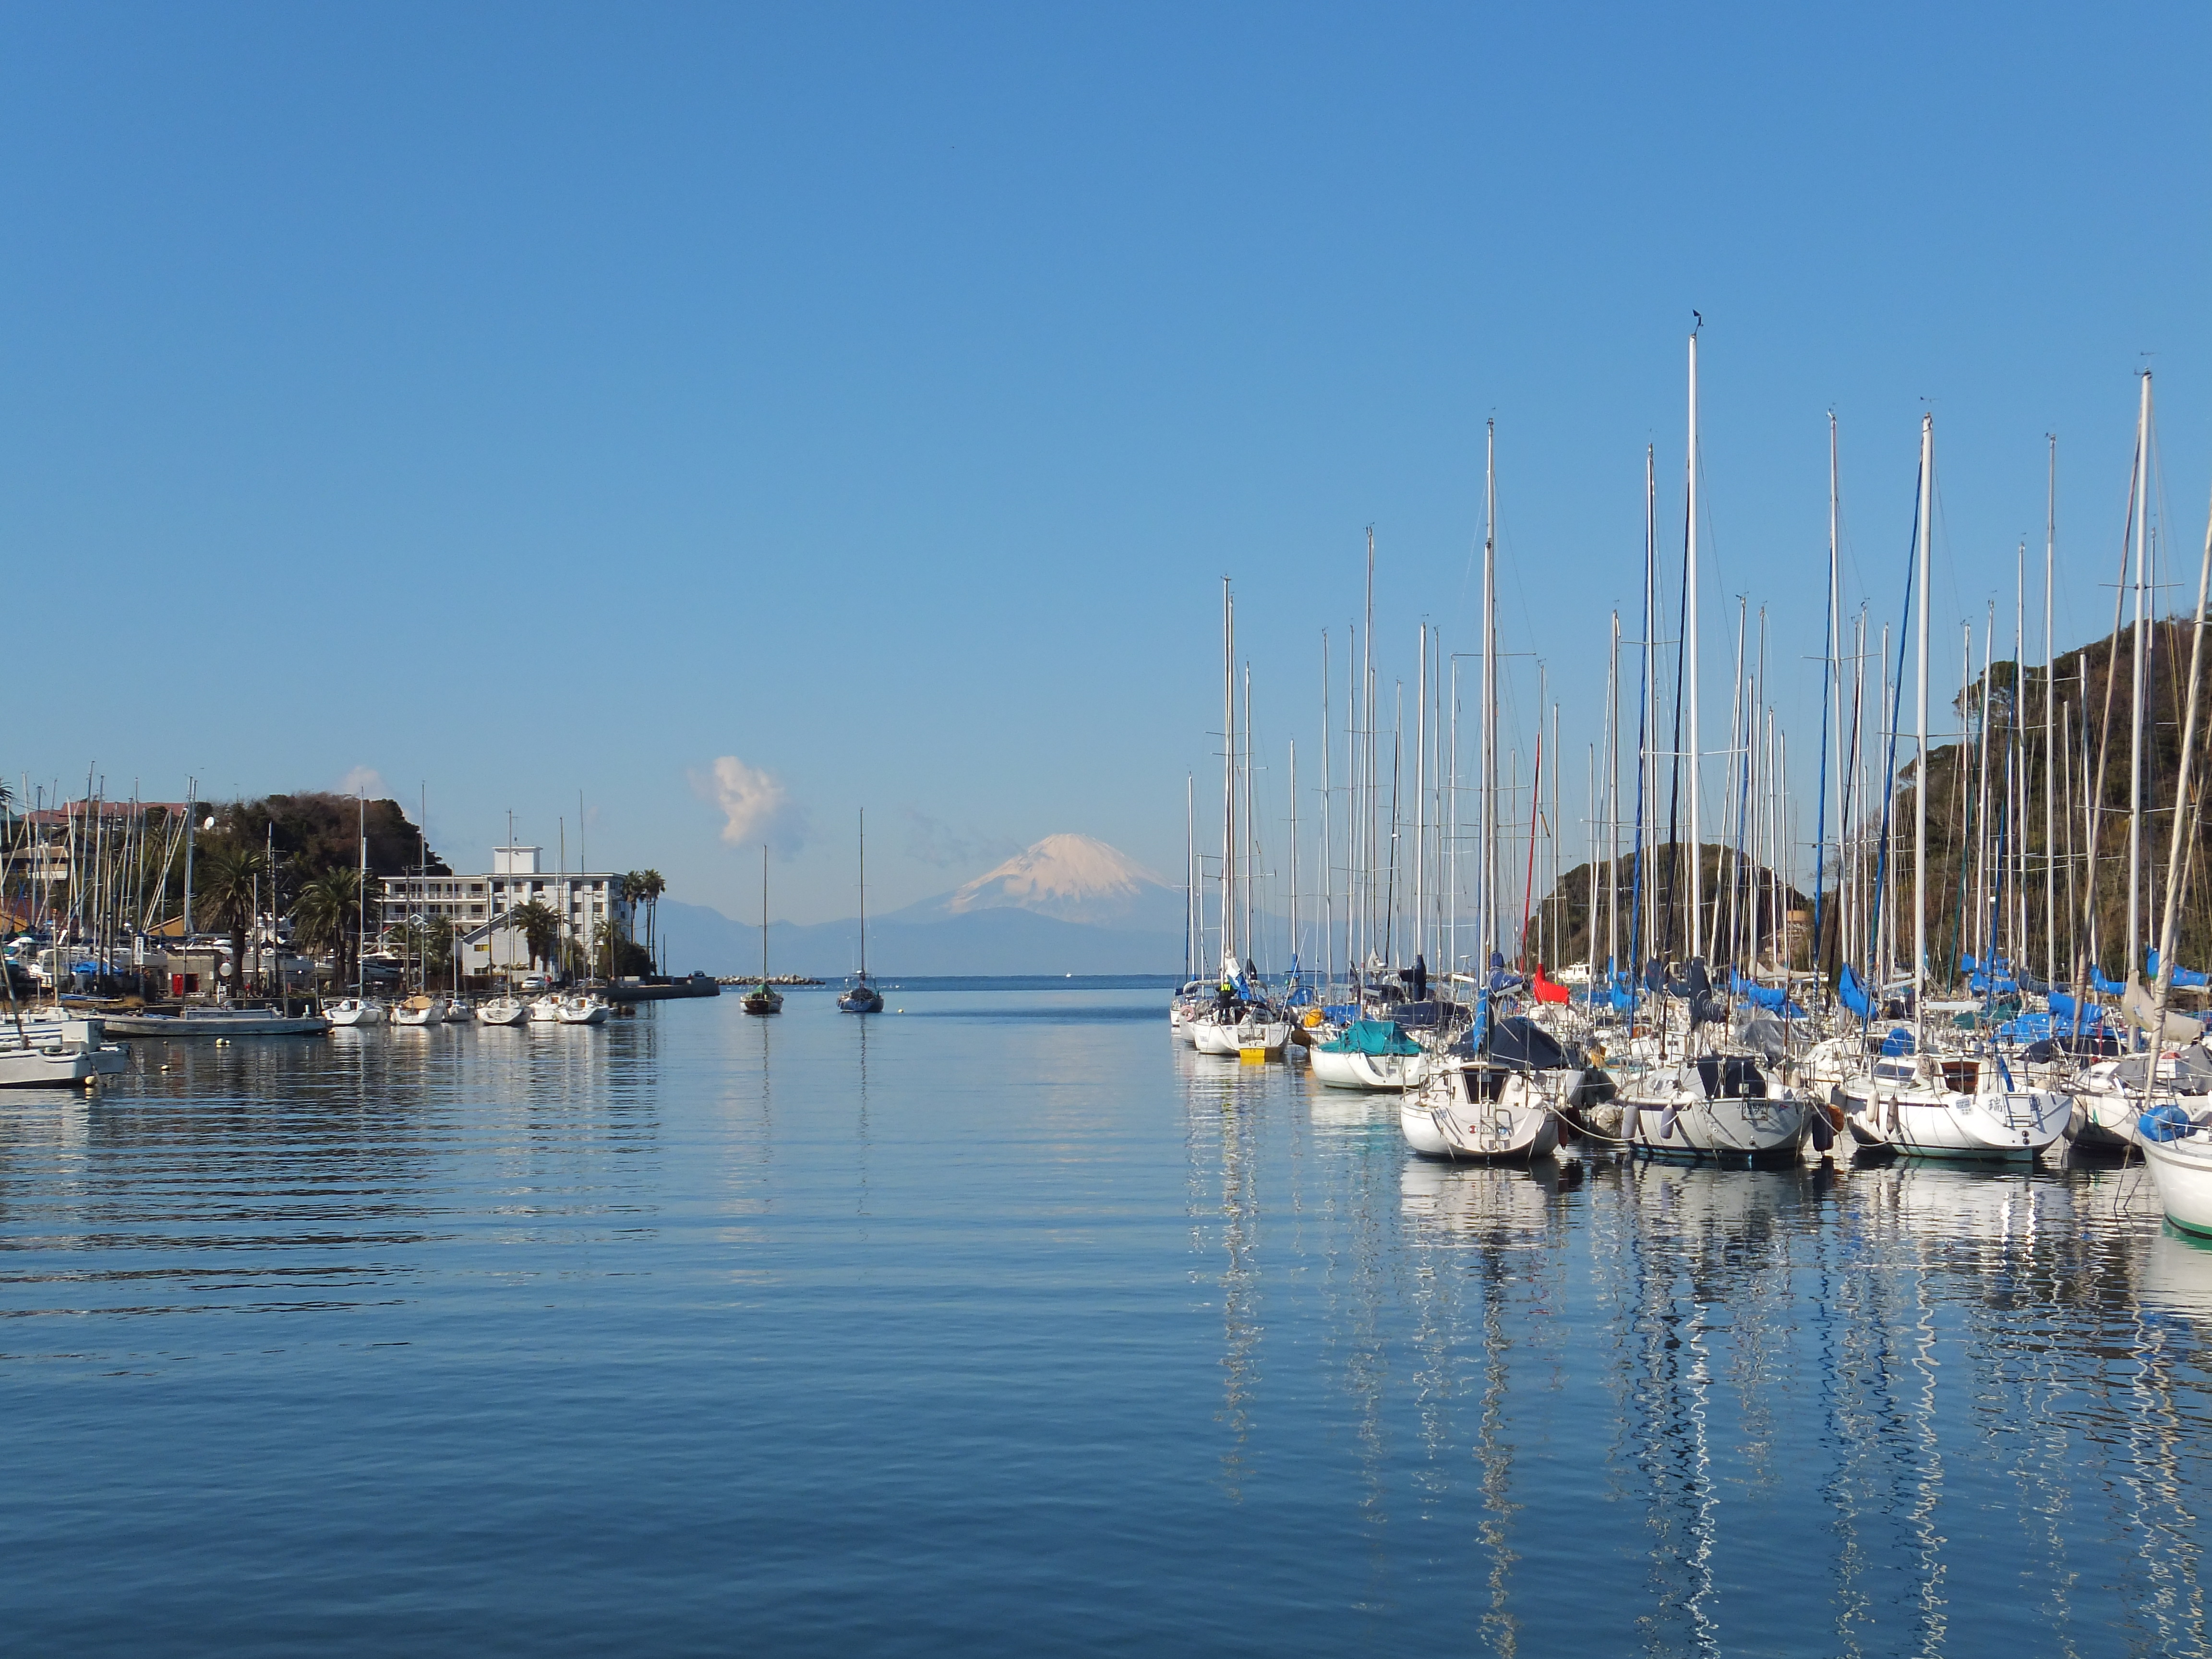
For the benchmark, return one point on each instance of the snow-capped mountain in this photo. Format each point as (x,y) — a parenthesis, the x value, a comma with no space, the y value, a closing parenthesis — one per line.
(1068,877)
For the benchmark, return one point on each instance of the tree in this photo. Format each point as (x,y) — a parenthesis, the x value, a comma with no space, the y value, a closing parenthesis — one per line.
(438,947)
(541,928)
(323,917)
(228,883)
(650,886)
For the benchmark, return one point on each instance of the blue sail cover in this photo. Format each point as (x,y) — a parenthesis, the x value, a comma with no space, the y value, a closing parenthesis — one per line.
(1854,994)
(1761,996)
(1374,1036)
(2182,976)
(2111,987)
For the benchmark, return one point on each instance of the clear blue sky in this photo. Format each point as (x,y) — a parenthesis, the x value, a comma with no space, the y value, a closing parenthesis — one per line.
(531,398)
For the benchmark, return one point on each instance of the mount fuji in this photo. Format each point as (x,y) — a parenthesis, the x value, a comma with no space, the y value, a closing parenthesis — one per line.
(1069,905)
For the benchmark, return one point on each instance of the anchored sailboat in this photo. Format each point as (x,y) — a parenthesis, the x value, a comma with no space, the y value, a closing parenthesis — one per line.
(765,998)
(859,997)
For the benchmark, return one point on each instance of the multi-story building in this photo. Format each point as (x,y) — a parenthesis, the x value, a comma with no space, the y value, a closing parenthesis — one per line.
(471,904)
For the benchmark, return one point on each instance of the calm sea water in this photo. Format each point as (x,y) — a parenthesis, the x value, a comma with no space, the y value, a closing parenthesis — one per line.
(1005,1325)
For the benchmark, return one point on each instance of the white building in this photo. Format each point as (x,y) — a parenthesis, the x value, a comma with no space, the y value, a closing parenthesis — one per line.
(472,905)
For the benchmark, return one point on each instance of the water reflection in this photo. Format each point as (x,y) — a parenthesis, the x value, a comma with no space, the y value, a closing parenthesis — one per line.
(292,1174)
(1939,1402)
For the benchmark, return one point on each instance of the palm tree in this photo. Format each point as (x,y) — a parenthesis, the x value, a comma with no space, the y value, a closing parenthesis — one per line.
(650,886)
(228,883)
(327,914)
(541,928)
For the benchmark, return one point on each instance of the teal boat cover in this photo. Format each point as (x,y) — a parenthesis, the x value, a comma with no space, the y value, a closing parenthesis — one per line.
(1374,1036)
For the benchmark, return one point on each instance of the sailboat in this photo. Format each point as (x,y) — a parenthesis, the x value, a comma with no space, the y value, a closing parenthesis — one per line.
(1958,1104)
(765,998)
(859,997)
(359,1008)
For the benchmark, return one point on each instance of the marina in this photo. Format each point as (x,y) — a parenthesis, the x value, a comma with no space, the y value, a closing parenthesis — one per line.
(814,1301)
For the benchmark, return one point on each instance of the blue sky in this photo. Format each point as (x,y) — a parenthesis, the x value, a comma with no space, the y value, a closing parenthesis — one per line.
(520,400)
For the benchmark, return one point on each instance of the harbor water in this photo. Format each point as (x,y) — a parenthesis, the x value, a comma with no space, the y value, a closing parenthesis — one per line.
(1003,1323)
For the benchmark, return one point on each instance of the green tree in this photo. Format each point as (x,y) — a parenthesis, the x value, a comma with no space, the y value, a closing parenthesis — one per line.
(650,886)
(541,928)
(327,916)
(228,884)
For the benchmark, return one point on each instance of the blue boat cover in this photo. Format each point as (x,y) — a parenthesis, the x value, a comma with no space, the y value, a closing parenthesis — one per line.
(2183,976)
(1762,996)
(1853,992)
(2165,1121)
(1373,1036)
(2111,987)
(1898,1042)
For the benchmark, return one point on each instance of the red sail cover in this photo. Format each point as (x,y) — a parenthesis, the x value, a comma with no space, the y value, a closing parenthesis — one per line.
(1544,990)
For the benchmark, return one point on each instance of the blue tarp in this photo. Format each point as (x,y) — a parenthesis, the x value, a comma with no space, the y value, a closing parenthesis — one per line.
(1373,1036)
(1898,1042)
(2111,987)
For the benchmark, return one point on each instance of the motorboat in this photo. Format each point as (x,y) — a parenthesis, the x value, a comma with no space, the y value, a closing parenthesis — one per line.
(354,1011)
(223,1021)
(43,1059)
(503,1011)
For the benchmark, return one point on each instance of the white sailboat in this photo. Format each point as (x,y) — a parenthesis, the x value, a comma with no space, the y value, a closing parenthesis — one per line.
(1925,1105)
(861,997)
(359,1008)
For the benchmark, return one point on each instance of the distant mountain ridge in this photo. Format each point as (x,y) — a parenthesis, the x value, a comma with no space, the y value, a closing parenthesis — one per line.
(1068,904)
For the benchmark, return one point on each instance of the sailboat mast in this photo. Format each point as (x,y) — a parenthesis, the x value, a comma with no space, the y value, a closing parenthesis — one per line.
(2142,665)
(1421,798)
(864,892)
(1690,646)
(1486,941)
(1327,848)
(2050,700)
(1228,766)
(1920,709)
(763,913)
(2183,816)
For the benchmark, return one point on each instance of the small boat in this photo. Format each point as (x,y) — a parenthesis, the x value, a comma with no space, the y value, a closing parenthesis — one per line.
(36,1062)
(457,1011)
(581,1009)
(545,1010)
(858,996)
(2177,1144)
(764,999)
(1371,1053)
(503,1011)
(354,1011)
(1963,1106)
(224,1022)
(1478,1110)
(419,1011)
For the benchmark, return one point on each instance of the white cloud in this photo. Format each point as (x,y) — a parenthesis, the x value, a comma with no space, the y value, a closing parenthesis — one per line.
(754,805)
(364,780)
